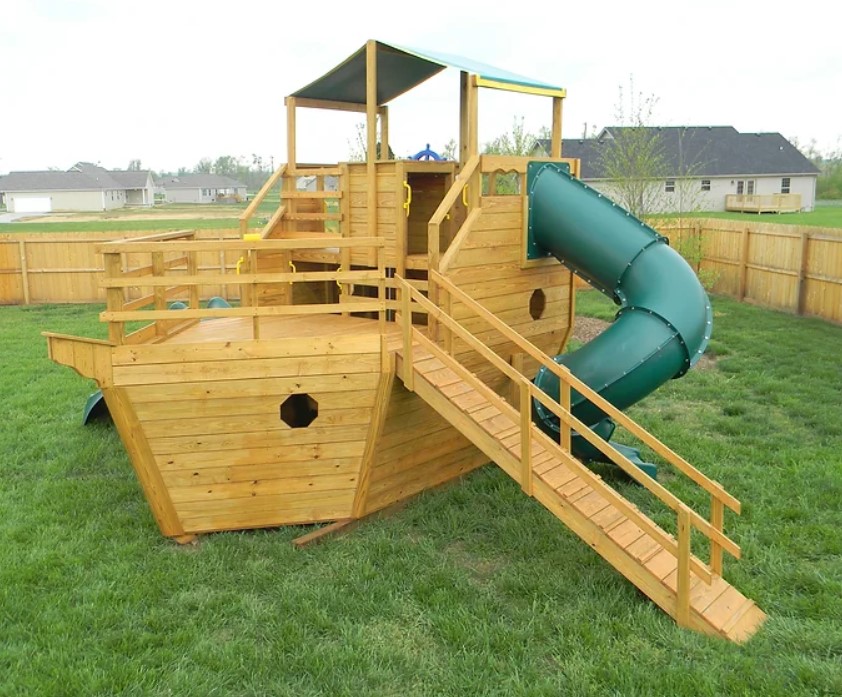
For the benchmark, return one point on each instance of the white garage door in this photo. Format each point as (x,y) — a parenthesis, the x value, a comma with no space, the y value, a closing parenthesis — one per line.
(32,204)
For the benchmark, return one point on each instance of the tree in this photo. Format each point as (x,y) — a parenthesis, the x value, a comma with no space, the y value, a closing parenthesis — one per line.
(226,166)
(517,143)
(450,150)
(204,166)
(632,155)
(134,166)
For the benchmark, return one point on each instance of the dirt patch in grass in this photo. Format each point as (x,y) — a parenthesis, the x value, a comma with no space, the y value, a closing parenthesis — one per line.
(587,328)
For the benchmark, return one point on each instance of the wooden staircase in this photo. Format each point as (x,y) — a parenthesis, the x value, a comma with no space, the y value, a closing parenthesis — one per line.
(658,564)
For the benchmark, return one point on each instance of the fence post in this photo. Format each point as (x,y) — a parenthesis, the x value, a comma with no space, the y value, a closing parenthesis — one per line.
(24,271)
(743,269)
(803,263)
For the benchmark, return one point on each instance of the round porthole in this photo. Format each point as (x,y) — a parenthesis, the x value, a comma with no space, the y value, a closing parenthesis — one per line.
(537,304)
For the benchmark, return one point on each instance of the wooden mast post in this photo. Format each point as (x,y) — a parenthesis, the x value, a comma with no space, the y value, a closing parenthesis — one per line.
(371,133)
(555,147)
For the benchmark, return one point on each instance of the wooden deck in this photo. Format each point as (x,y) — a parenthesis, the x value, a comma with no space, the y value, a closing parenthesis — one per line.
(240,328)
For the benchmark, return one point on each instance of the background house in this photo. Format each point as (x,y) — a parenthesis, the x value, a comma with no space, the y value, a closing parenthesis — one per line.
(84,187)
(201,188)
(717,168)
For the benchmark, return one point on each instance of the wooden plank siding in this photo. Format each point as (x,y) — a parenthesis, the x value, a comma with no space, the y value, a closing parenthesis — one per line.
(488,266)
(211,417)
(417,449)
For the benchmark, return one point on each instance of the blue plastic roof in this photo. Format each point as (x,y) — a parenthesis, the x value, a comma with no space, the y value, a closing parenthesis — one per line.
(399,69)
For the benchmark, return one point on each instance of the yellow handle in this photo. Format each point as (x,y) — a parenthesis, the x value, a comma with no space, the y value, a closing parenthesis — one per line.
(465,196)
(408,201)
(338,284)
(248,237)
(292,266)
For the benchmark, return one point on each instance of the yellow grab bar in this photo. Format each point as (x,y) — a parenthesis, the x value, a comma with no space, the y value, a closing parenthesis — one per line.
(408,202)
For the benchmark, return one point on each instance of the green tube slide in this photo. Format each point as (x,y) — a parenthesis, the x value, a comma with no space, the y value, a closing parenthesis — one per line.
(665,319)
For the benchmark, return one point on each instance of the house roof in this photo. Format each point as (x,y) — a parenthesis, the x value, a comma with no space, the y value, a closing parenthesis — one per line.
(83,176)
(131,179)
(200,181)
(399,69)
(714,151)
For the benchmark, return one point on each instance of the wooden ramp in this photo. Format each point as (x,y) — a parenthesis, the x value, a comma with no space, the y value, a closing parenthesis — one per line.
(620,533)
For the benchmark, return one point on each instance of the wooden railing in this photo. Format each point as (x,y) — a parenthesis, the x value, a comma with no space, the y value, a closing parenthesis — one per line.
(284,179)
(172,275)
(763,203)
(413,301)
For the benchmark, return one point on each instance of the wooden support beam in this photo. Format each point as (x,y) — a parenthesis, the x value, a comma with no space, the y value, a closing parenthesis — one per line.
(555,147)
(371,133)
(463,119)
(320,534)
(291,155)
(384,133)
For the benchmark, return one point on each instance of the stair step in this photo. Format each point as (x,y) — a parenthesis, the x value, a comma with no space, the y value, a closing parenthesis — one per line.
(741,612)
(592,503)
(625,533)
(747,625)
(725,605)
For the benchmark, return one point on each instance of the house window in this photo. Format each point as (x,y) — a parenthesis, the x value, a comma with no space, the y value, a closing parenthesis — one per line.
(785,181)
(705,184)
(750,187)
(740,187)
(205,192)
(669,186)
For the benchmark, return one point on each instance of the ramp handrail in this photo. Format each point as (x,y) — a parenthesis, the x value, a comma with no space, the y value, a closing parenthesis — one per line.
(686,517)
(719,496)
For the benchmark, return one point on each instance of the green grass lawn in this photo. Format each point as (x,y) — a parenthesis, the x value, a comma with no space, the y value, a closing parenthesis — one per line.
(470,590)
(824,215)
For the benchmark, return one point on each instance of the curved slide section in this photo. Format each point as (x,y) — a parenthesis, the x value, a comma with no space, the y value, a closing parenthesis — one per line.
(665,319)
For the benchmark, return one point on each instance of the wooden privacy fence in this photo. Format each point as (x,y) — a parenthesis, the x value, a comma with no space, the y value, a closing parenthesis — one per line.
(792,268)
(66,268)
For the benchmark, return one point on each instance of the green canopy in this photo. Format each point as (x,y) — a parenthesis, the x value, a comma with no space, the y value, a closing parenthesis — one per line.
(400,69)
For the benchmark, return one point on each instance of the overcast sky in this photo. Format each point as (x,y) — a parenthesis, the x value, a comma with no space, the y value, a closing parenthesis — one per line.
(173,81)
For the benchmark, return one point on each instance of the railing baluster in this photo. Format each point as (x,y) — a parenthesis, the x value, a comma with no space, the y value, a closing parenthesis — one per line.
(564,427)
(717,520)
(406,328)
(682,610)
(525,438)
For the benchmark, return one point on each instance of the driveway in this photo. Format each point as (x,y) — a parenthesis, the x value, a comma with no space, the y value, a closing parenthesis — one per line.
(12,217)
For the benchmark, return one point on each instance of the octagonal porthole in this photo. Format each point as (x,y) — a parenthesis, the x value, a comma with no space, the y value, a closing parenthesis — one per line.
(299,410)
(537,304)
